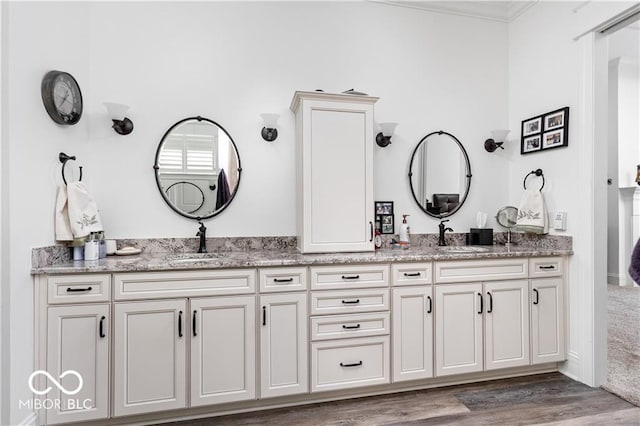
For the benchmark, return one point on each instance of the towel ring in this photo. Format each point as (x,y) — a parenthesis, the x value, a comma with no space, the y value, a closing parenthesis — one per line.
(63,159)
(537,172)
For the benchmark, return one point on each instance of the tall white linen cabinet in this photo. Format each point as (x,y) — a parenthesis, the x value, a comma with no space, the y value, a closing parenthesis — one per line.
(334,150)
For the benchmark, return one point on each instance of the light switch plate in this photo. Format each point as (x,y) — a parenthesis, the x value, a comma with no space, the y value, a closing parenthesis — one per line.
(560,221)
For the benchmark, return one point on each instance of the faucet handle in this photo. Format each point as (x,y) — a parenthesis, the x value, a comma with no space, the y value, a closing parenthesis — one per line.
(444,220)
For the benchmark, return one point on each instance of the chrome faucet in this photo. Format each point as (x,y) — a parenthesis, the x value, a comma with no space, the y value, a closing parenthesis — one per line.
(441,241)
(202,233)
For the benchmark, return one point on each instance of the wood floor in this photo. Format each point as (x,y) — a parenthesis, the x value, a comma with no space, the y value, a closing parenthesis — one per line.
(549,399)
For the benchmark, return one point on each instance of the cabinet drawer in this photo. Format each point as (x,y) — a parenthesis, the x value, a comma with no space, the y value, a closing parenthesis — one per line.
(161,285)
(283,279)
(540,267)
(342,364)
(480,270)
(411,273)
(349,276)
(349,301)
(346,326)
(79,288)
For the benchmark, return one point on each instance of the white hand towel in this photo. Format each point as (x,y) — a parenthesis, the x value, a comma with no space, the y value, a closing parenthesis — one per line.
(532,213)
(63,227)
(83,211)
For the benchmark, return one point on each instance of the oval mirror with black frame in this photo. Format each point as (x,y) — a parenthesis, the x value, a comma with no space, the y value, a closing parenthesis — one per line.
(439,174)
(197,168)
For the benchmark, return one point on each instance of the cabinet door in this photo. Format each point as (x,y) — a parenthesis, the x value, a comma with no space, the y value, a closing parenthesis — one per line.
(506,324)
(458,341)
(337,177)
(412,333)
(547,320)
(78,340)
(150,356)
(283,345)
(222,349)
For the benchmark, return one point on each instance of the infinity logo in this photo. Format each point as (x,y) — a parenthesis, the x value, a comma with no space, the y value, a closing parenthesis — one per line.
(55,382)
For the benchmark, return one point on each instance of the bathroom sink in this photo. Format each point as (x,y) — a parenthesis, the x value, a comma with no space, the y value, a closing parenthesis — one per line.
(463,249)
(192,257)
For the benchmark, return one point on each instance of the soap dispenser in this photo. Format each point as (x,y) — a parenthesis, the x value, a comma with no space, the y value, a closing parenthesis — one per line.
(404,230)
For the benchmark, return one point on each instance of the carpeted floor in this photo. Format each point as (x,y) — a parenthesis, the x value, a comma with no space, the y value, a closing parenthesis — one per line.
(623,377)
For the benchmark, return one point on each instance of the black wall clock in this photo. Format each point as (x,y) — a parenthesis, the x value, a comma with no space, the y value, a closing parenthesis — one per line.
(61,97)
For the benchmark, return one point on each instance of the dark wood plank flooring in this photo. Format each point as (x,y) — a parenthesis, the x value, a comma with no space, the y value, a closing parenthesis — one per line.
(549,399)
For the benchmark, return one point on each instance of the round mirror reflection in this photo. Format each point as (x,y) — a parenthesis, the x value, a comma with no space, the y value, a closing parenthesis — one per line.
(197,168)
(439,174)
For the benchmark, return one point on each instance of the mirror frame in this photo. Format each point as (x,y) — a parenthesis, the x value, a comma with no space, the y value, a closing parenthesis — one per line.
(156,167)
(468,175)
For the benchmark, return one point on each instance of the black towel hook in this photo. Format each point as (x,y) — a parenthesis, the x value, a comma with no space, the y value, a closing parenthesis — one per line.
(63,159)
(537,172)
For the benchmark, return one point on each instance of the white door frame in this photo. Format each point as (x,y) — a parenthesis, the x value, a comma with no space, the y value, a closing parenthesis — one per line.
(591,245)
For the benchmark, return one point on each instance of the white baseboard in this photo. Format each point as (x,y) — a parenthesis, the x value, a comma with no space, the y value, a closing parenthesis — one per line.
(30,420)
(613,279)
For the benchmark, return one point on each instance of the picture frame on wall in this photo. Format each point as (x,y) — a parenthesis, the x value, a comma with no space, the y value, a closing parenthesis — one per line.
(546,131)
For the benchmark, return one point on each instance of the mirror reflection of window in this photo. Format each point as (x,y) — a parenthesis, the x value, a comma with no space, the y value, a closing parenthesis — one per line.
(200,154)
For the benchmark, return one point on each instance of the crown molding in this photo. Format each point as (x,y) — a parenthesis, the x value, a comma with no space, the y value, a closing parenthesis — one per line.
(500,11)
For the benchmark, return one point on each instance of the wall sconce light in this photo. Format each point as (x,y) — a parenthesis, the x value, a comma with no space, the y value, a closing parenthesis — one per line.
(499,137)
(384,137)
(269,131)
(121,124)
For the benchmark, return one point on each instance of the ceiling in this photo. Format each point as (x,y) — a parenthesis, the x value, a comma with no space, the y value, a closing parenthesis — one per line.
(502,11)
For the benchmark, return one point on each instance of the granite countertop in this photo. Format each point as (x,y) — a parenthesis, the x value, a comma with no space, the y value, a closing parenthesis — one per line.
(287,256)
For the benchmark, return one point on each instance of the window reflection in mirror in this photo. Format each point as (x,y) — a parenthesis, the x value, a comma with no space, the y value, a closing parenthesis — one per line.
(440,174)
(197,168)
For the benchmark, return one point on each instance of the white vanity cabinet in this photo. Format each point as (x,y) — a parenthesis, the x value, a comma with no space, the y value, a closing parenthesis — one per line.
(350,326)
(488,312)
(500,321)
(78,339)
(150,356)
(75,323)
(547,309)
(334,144)
(413,311)
(158,342)
(283,332)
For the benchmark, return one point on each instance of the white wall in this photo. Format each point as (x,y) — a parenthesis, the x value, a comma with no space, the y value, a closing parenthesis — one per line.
(544,66)
(230,62)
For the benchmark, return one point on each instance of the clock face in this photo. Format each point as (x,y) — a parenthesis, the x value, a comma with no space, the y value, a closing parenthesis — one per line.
(62,97)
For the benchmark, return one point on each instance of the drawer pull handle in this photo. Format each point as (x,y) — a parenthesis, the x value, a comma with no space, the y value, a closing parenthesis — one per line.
(180,324)
(430,305)
(481,308)
(74,290)
(490,302)
(193,326)
(355,364)
(351,302)
(535,302)
(102,335)
(413,274)
(547,267)
(351,277)
(282,280)
(351,327)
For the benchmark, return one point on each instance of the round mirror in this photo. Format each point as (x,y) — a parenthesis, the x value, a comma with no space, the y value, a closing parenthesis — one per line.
(197,168)
(439,174)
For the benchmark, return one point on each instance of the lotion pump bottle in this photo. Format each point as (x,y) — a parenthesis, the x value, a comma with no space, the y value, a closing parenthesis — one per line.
(404,230)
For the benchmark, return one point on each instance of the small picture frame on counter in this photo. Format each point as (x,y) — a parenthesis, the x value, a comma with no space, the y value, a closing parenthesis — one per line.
(386,224)
(384,207)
